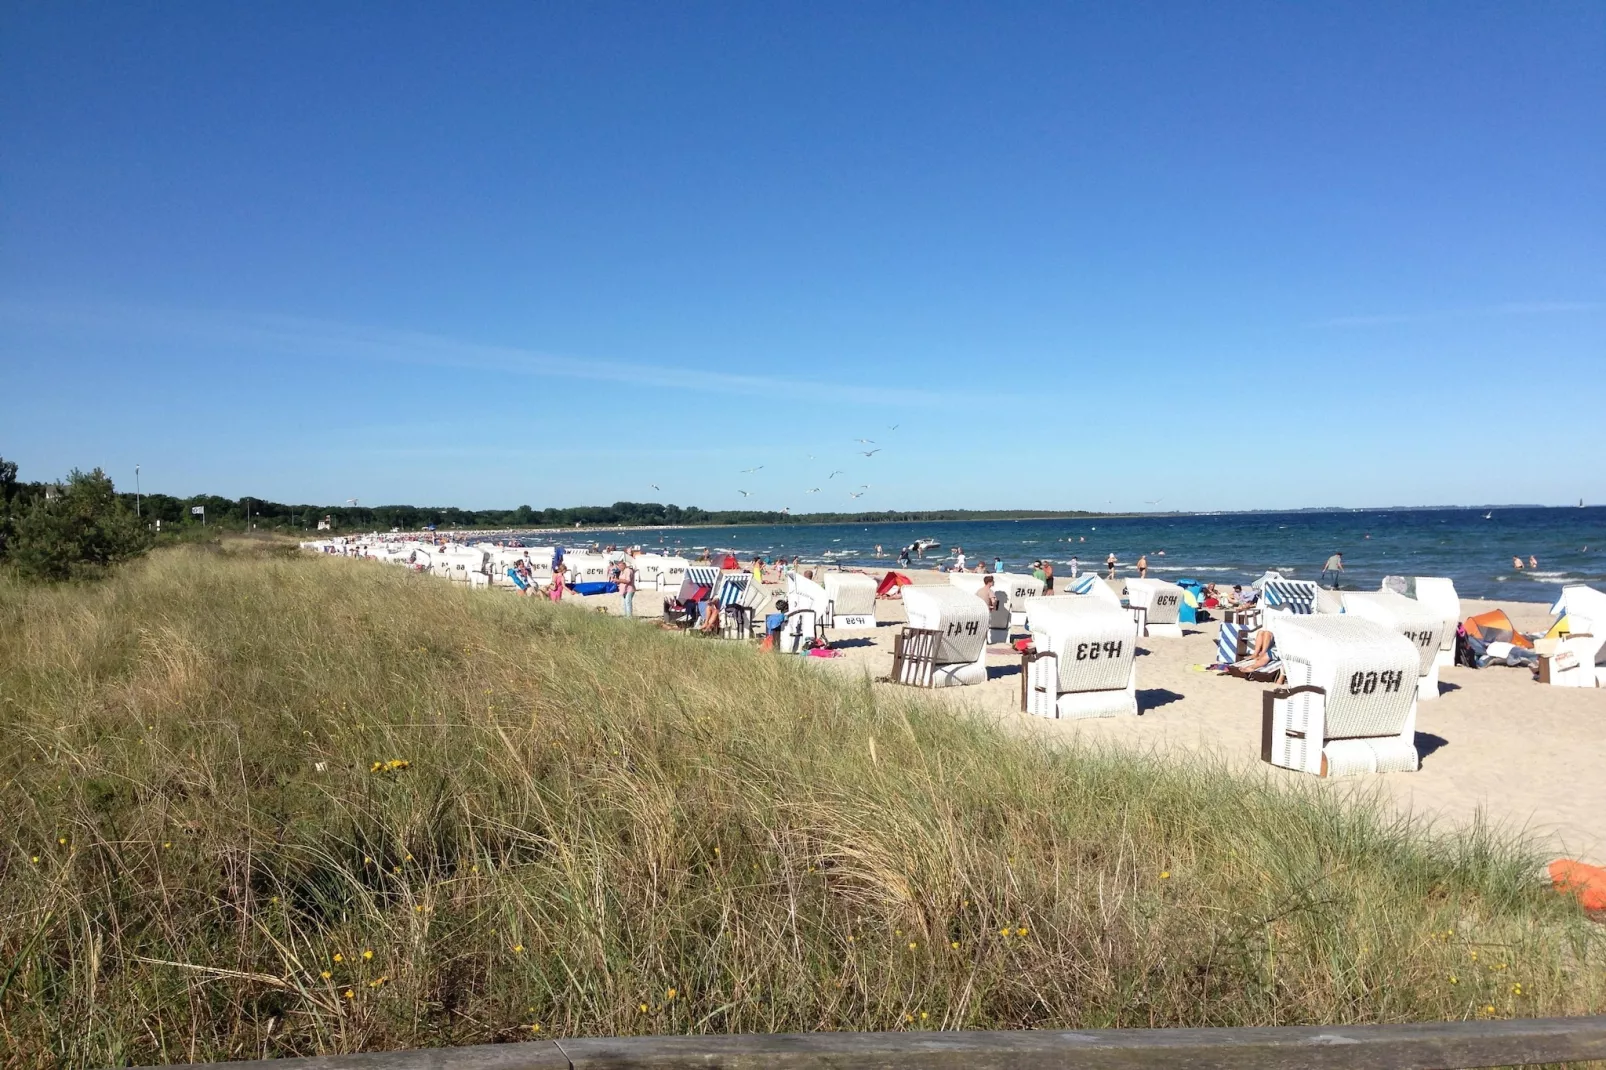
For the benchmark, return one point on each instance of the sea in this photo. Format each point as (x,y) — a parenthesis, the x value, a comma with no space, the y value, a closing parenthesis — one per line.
(1474,547)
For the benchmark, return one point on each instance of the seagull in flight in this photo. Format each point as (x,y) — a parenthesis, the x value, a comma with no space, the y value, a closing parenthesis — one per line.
(654,486)
(745,493)
(864,486)
(865,441)
(871,453)
(1156,501)
(833,475)
(812,490)
(749,471)
(855,493)
(894,427)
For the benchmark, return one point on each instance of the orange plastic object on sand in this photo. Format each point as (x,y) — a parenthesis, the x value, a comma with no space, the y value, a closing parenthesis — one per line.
(1588,883)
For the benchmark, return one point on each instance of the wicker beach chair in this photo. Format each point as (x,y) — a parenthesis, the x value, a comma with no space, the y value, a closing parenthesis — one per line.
(954,650)
(1083,663)
(804,593)
(1155,605)
(1087,585)
(1438,594)
(1576,657)
(1349,705)
(1419,623)
(851,598)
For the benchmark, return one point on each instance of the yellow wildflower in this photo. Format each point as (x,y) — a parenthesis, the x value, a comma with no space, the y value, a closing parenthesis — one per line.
(643,1008)
(913,945)
(671,994)
(518,948)
(367,954)
(955,945)
(1516,990)
(325,975)
(1021,931)
(536,1028)
(339,957)
(923,1016)
(35,860)
(1165,874)
(349,994)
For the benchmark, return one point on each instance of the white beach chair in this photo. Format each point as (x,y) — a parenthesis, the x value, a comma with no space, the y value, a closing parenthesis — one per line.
(1002,618)
(1087,585)
(1418,622)
(1018,588)
(1577,659)
(851,596)
(945,642)
(1438,594)
(804,593)
(797,629)
(1084,664)
(1349,705)
(671,572)
(1154,605)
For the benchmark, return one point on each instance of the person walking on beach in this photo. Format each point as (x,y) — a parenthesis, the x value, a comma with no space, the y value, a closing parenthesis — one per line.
(627,588)
(1048,577)
(1335,565)
(1143,566)
(1076,567)
(1109,563)
(959,559)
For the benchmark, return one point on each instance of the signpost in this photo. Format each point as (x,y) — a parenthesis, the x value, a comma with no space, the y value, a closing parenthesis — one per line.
(200,511)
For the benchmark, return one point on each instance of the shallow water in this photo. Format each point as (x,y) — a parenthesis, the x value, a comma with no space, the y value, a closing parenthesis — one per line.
(1569,543)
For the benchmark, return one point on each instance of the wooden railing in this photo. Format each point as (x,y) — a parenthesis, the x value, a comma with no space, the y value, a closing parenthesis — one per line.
(1435,1046)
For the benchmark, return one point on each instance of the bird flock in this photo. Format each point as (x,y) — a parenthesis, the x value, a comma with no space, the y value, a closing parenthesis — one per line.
(868,453)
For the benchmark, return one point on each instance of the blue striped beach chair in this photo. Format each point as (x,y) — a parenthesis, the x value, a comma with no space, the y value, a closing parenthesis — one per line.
(1237,635)
(1290,596)
(730,590)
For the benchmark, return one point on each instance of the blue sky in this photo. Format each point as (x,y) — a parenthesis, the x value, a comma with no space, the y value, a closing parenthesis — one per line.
(1081,255)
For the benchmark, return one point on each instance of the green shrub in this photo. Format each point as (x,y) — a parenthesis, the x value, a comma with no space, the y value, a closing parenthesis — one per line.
(77,533)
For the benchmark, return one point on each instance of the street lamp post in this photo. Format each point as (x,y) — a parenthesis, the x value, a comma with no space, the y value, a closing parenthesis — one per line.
(136,492)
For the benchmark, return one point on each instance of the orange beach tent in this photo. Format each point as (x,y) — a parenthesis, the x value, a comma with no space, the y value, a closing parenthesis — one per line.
(1495,627)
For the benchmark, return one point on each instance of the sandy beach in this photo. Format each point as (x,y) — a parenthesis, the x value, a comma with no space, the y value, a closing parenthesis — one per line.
(1523,755)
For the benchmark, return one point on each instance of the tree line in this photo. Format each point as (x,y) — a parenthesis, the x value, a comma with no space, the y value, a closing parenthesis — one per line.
(81,525)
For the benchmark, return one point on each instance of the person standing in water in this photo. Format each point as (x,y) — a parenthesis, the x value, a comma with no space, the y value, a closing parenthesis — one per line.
(1335,565)
(1516,562)
(1109,563)
(1143,566)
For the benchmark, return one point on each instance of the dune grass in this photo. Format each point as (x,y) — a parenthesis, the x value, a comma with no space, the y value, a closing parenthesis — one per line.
(259,804)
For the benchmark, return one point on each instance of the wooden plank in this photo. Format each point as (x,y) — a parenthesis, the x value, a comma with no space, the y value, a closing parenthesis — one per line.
(1437,1046)
(531,1055)
(1430,1046)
